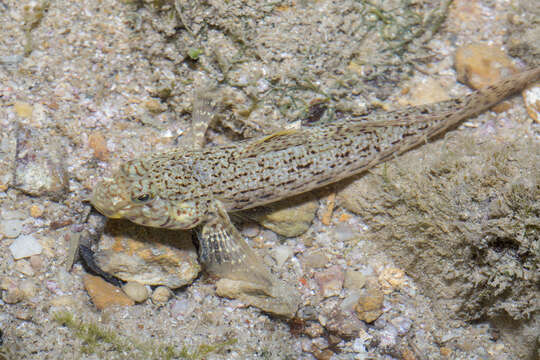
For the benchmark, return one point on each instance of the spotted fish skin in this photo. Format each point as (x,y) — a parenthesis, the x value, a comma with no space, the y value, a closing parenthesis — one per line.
(175,189)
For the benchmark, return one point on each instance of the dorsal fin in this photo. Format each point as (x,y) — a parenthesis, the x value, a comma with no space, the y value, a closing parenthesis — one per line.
(280,140)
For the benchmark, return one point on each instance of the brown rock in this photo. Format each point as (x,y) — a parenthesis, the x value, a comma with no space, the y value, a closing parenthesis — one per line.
(479,65)
(330,281)
(343,323)
(290,217)
(97,142)
(161,295)
(103,294)
(146,255)
(135,291)
(369,306)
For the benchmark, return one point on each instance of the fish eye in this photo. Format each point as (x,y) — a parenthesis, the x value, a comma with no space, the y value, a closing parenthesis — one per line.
(142,198)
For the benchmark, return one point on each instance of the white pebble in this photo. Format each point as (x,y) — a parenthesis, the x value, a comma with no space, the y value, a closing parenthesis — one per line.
(25,246)
(281,253)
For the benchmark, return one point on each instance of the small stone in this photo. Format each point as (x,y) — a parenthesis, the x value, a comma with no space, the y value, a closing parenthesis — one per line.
(63,300)
(147,256)
(13,295)
(25,246)
(161,295)
(28,288)
(330,281)
(314,330)
(531,96)
(137,292)
(326,354)
(155,106)
(279,298)
(369,306)
(390,279)
(343,323)
(23,109)
(11,228)
(24,267)
(314,259)
(281,253)
(354,280)
(445,351)
(480,65)
(251,229)
(290,217)
(40,167)
(103,294)
(36,211)
(98,144)
(36,262)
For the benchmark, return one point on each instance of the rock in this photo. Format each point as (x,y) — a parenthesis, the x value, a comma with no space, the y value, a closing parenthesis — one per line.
(24,267)
(161,295)
(314,259)
(390,279)
(36,211)
(290,217)
(479,65)
(342,323)
(531,96)
(98,144)
(279,299)
(354,280)
(281,253)
(25,246)
(11,228)
(146,255)
(314,330)
(40,164)
(28,288)
(330,281)
(63,300)
(427,92)
(12,292)
(370,305)
(137,292)
(103,294)
(23,109)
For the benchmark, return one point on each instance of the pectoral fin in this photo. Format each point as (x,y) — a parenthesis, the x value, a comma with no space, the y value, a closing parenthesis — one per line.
(243,273)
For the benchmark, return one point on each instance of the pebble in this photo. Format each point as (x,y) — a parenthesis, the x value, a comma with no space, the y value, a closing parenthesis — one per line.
(314,330)
(281,253)
(343,324)
(23,266)
(98,144)
(330,281)
(103,294)
(28,288)
(63,300)
(11,228)
(290,217)
(370,305)
(479,65)
(161,295)
(390,279)
(314,259)
(36,211)
(25,246)
(147,256)
(40,168)
(23,109)
(137,292)
(12,292)
(531,95)
(354,280)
